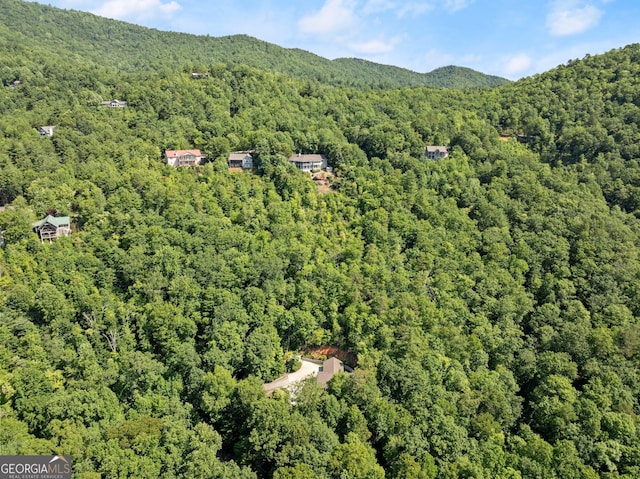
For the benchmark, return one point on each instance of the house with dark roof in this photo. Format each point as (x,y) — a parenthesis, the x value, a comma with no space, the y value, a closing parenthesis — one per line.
(436,152)
(52,227)
(313,162)
(183,157)
(240,159)
(46,130)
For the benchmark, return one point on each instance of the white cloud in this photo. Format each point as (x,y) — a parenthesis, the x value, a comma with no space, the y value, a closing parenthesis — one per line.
(375,47)
(570,17)
(334,16)
(456,5)
(136,9)
(414,9)
(378,6)
(517,64)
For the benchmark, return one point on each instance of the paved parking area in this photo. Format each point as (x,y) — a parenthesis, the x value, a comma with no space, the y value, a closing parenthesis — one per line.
(307,369)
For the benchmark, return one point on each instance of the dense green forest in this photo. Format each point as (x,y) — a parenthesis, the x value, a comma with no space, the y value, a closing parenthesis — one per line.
(492,298)
(131,48)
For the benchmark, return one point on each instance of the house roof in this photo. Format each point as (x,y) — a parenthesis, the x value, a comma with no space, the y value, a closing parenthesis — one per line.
(310,158)
(239,155)
(433,149)
(115,101)
(179,153)
(47,128)
(52,220)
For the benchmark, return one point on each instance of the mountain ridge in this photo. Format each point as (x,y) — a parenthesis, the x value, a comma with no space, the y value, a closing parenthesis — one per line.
(132,47)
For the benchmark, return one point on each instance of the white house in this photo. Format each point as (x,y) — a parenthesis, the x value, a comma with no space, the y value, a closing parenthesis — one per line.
(309,162)
(46,130)
(114,103)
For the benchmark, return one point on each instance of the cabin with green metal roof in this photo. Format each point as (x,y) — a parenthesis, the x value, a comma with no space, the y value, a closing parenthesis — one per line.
(52,227)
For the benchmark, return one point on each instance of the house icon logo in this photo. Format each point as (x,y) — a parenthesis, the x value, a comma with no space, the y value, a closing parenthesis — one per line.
(35,467)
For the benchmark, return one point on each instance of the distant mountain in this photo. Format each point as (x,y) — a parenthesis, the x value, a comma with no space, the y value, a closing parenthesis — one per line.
(447,77)
(133,48)
(461,77)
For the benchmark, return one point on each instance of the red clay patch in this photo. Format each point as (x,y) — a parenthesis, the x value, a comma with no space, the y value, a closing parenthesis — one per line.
(324,352)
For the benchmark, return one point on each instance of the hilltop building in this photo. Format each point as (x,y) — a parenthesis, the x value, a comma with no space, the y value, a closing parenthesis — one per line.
(52,227)
(309,163)
(183,157)
(322,370)
(240,159)
(329,368)
(114,103)
(436,152)
(46,130)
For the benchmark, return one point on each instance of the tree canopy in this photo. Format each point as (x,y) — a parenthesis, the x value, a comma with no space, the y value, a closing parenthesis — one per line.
(491,298)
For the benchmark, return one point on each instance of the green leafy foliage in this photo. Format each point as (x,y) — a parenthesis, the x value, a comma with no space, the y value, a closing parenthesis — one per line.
(491,298)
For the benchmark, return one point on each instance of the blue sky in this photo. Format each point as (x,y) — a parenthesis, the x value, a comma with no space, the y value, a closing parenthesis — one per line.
(510,38)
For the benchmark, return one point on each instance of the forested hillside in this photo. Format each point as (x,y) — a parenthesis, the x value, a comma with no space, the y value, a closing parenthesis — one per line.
(492,298)
(132,48)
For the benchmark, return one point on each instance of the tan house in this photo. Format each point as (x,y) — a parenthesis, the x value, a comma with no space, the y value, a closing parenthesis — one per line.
(183,157)
(436,152)
(240,159)
(322,370)
(46,130)
(329,368)
(312,162)
(52,227)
